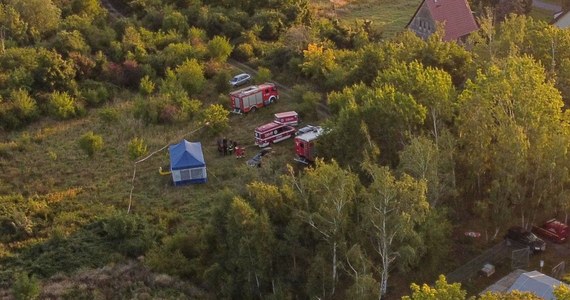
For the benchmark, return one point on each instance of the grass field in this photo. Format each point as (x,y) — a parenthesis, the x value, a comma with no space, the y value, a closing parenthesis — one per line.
(50,160)
(389,17)
(45,161)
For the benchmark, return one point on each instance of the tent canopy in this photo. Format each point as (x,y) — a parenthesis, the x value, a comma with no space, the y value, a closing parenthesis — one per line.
(186,155)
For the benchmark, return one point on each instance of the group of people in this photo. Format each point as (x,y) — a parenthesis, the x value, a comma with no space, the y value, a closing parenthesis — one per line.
(228,147)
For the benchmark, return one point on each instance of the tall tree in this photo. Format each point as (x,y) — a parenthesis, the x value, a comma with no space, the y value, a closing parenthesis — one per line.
(392,210)
(42,16)
(329,192)
(429,86)
(511,130)
(382,116)
(250,236)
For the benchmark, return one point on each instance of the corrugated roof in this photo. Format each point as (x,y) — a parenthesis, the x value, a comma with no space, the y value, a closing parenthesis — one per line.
(537,283)
(456,16)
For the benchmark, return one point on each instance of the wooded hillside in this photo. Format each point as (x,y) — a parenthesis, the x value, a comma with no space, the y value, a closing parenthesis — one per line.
(424,139)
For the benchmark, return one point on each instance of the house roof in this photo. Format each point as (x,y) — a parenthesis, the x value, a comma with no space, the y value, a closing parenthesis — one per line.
(559,15)
(185,155)
(537,283)
(456,16)
(519,280)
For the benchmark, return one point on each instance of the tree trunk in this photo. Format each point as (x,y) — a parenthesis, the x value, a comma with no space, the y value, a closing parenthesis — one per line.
(435,133)
(334,268)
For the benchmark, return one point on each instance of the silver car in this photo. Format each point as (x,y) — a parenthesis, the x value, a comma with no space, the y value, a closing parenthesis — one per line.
(240,79)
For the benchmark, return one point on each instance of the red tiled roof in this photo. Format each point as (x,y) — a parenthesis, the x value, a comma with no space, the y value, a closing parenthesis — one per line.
(456,15)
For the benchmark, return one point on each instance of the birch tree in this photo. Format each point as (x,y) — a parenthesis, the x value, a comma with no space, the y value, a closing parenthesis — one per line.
(512,132)
(329,192)
(250,240)
(392,210)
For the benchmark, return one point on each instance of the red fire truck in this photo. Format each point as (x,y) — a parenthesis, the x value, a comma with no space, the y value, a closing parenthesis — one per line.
(305,143)
(253,97)
(287,118)
(271,133)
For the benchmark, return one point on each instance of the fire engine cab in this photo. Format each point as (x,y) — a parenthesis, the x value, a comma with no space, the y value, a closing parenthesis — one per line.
(253,97)
(271,133)
(287,118)
(305,143)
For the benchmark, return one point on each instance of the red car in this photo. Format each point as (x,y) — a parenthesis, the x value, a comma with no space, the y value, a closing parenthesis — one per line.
(553,230)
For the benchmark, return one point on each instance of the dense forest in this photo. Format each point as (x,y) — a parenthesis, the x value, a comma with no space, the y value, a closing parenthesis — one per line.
(424,139)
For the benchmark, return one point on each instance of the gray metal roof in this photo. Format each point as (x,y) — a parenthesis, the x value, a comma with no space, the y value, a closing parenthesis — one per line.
(537,283)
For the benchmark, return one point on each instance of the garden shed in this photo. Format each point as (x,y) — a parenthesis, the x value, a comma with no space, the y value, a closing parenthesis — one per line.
(187,163)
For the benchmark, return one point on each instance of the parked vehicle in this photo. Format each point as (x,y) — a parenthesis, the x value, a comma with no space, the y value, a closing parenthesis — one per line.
(305,143)
(271,133)
(240,79)
(253,97)
(553,230)
(522,236)
(287,118)
(256,160)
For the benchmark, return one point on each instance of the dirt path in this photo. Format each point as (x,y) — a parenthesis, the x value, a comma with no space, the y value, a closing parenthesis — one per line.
(322,108)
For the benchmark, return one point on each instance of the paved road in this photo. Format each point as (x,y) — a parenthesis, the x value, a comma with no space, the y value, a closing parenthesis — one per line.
(547,6)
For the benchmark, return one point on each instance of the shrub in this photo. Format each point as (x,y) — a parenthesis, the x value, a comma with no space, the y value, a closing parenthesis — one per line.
(217,117)
(25,287)
(174,20)
(175,54)
(190,74)
(132,74)
(84,65)
(212,68)
(219,48)
(189,108)
(148,110)
(243,52)
(168,114)
(222,82)
(163,260)
(146,86)
(309,105)
(129,233)
(91,143)
(224,100)
(70,41)
(137,148)
(109,115)
(62,105)
(97,95)
(263,75)
(24,105)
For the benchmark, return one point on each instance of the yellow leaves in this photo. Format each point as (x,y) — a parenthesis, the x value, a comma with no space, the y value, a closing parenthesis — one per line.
(265,195)
(313,49)
(317,61)
(56,197)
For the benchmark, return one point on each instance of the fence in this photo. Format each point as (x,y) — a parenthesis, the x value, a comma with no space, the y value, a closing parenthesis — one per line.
(498,253)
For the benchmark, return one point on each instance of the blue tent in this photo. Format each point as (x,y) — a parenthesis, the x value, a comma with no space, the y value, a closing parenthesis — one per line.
(187,163)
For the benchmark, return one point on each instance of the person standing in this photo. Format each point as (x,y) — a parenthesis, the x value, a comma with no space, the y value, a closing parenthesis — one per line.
(230,147)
